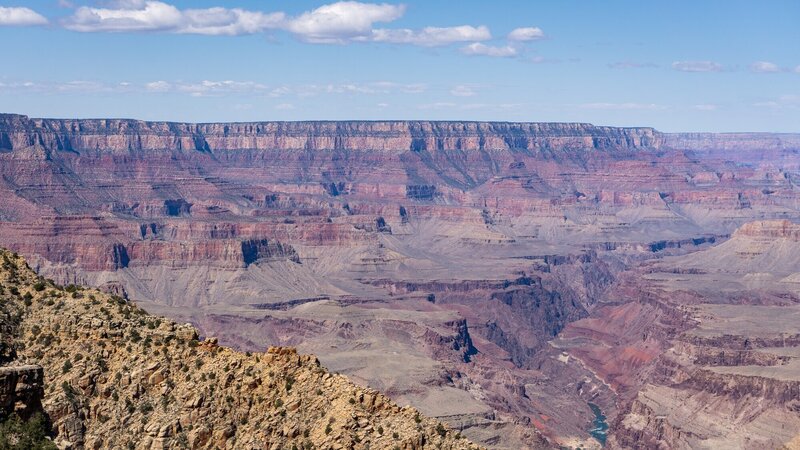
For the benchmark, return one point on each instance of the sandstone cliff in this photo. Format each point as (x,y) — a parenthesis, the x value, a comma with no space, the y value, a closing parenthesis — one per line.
(116,377)
(19,132)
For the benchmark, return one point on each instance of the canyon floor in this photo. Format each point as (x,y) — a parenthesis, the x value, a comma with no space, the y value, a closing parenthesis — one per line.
(509,279)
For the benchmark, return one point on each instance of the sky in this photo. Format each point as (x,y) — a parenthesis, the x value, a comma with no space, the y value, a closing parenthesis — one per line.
(679,65)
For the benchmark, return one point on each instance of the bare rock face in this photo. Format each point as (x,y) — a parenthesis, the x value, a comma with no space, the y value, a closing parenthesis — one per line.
(111,375)
(776,229)
(21,390)
(130,135)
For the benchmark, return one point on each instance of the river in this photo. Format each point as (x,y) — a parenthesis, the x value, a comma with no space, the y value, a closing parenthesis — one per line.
(599,428)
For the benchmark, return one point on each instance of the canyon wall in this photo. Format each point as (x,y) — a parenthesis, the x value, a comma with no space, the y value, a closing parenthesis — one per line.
(118,135)
(499,276)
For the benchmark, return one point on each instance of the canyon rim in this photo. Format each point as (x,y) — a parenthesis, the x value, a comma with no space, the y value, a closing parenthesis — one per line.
(399,224)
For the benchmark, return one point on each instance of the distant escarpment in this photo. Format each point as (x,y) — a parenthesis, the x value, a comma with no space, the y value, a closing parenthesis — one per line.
(732,141)
(18,132)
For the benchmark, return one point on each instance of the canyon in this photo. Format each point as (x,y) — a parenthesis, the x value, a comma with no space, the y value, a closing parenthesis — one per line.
(504,278)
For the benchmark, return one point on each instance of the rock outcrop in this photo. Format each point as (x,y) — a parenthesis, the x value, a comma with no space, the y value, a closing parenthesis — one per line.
(21,390)
(110,375)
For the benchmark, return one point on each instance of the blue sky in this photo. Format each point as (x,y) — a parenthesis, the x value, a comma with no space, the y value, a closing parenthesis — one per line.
(675,65)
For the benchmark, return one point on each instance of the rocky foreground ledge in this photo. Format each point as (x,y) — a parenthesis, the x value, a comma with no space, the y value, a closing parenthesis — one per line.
(117,377)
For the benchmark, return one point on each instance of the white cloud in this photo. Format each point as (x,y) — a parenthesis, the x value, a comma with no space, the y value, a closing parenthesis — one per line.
(83,86)
(216,88)
(788,101)
(430,36)
(478,48)
(373,88)
(133,16)
(438,105)
(158,86)
(632,65)
(697,66)
(764,67)
(797,69)
(335,23)
(151,16)
(705,107)
(462,91)
(206,86)
(229,22)
(20,16)
(66,87)
(623,106)
(469,106)
(342,21)
(284,106)
(526,34)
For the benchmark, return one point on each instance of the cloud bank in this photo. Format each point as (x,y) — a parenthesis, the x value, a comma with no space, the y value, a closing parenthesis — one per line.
(335,23)
(20,16)
(697,66)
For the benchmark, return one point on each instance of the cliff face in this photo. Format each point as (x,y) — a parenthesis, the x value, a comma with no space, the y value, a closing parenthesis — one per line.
(18,132)
(124,135)
(21,390)
(732,142)
(767,230)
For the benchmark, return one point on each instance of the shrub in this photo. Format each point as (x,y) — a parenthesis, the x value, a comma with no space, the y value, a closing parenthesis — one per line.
(16,434)
(39,286)
(69,391)
(146,408)
(66,367)
(289,383)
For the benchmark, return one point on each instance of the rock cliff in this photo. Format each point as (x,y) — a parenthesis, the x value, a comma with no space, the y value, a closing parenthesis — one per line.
(110,135)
